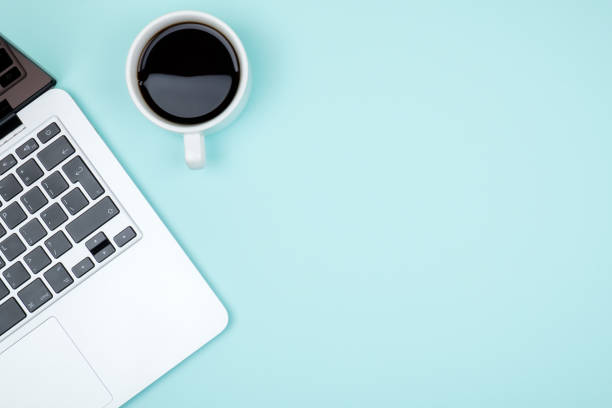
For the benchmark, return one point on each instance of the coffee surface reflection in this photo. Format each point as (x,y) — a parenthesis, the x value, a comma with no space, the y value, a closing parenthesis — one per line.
(188,73)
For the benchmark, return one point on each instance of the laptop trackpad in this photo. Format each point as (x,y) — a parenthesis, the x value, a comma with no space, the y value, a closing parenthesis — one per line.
(45,369)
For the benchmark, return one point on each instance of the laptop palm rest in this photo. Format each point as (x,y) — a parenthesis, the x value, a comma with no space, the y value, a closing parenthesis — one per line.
(48,364)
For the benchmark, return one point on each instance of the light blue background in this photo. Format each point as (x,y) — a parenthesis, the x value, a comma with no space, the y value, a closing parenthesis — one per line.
(414,209)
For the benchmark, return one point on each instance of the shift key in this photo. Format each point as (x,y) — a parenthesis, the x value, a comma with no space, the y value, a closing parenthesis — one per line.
(92,219)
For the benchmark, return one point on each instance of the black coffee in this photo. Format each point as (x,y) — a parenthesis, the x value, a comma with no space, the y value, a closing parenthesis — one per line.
(188,73)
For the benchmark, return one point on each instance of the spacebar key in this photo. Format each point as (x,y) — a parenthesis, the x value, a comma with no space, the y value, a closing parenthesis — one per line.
(92,219)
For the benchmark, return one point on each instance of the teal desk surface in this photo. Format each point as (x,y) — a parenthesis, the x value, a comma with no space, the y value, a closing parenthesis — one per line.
(414,210)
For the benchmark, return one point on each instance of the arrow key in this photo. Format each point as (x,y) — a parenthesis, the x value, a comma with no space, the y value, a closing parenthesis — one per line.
(82,267)
(124,236)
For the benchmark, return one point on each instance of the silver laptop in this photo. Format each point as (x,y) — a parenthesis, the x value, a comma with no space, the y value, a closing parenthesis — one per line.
(97,299)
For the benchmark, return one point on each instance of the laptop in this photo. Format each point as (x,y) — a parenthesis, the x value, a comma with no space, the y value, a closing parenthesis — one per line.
(97,299)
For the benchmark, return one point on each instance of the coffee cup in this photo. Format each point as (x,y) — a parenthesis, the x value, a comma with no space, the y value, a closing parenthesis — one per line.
(188,73)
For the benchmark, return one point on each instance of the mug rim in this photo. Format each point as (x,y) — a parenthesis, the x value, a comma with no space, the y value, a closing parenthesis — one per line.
(144,37)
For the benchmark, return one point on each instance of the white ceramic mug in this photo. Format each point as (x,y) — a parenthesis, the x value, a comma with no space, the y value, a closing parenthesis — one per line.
(193,134)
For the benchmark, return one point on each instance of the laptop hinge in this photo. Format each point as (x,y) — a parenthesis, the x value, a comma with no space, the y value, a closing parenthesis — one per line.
(9,120)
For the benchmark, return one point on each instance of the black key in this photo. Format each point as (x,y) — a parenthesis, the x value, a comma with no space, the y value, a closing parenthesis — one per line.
(58,278)
(97,241)
(58,244)
(47,133)
(10,314)
(34,200)
(13,215)
(77,171)
(12,247)
(2,264)
(55,184)
(6,163)
(100,247)
(5,60)
(33,231)
(4,290)
(9,76)
(55,153)
(74,201)
(124,236)
(34,295)
(2,232)
(37,259)
(16,275)
(27,148)
(81,268)
(9,187)
(92,219)
(29,172)
(53,216)
(105,252)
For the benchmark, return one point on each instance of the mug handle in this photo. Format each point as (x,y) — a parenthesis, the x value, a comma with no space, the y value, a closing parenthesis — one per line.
(195,151)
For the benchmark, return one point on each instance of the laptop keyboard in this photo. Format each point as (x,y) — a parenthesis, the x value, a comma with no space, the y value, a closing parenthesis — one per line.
(59,223)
